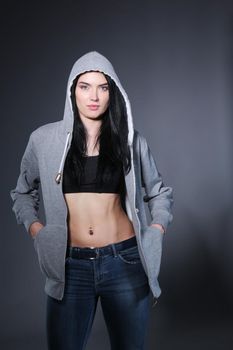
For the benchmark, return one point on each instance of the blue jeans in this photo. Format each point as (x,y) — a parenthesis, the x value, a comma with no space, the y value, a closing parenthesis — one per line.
(119,280)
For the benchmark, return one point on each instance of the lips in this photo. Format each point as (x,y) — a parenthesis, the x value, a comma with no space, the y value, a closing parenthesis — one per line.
(93,107)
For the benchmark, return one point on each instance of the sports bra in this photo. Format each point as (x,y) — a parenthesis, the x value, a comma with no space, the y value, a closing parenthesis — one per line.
(88,180)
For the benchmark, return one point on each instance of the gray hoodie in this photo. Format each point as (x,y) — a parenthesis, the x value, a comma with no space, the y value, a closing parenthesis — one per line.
(43,162)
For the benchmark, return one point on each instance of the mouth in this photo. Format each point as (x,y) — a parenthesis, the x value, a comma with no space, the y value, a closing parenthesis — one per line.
(93,107)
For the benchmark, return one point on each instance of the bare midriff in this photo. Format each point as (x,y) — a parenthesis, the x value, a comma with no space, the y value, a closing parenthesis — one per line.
(96,219)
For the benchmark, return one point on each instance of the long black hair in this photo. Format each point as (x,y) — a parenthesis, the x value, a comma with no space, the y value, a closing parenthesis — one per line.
(112,137)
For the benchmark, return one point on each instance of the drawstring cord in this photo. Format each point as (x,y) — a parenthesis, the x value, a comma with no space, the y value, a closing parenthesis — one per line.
(58,176)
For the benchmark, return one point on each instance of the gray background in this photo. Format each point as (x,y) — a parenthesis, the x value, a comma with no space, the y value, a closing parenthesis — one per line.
(174,58)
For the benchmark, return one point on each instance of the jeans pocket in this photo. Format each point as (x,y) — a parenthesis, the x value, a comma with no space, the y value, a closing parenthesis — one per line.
(130,256)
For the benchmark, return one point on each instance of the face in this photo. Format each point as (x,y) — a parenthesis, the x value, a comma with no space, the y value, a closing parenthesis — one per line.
(92,95)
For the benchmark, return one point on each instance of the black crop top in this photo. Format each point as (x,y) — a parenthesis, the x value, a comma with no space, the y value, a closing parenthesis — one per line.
(88,180)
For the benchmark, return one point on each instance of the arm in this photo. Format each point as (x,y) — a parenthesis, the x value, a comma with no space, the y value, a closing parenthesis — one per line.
(25,196)
(159,197)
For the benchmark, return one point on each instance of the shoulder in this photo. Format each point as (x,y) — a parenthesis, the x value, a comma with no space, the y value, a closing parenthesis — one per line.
(42,137)
(44,131)
(139,140)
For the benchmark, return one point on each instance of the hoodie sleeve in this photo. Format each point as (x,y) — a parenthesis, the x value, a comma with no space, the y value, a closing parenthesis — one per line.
(158,196)
(25,196)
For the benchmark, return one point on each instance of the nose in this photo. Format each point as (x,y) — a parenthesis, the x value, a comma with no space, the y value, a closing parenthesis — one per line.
(94,95)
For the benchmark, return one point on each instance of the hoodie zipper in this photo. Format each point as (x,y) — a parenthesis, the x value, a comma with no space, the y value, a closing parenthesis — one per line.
(59,174)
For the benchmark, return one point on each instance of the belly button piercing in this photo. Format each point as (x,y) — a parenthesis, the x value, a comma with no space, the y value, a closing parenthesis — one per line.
(90,231)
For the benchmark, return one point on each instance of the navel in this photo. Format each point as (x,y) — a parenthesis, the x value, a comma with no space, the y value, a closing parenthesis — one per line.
(91,232)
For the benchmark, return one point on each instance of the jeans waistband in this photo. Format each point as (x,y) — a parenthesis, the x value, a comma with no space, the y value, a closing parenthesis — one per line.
(93,253)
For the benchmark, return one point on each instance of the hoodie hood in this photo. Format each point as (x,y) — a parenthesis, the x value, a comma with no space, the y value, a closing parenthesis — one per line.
(94,61)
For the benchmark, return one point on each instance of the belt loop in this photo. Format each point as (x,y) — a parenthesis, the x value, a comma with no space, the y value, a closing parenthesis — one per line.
(114,250)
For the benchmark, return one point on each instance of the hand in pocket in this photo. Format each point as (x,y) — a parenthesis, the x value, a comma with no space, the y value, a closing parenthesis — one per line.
(35,227)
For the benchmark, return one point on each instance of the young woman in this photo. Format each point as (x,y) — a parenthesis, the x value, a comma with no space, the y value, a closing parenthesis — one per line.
(96,243)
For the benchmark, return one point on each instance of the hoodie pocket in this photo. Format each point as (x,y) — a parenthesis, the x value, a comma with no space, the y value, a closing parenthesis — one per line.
(50,245)
(152,239)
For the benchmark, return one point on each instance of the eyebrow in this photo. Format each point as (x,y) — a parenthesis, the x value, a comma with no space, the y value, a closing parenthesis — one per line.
(83,82)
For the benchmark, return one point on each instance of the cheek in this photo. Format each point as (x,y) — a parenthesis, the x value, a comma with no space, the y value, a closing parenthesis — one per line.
(79,99)
(106,101)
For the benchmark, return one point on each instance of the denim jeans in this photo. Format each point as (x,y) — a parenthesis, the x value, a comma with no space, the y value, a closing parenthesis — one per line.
(120,282)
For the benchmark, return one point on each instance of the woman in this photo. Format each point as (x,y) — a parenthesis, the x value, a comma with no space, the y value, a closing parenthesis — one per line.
(96,243)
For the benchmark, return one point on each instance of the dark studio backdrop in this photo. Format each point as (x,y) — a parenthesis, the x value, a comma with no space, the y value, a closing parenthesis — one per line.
(175,60)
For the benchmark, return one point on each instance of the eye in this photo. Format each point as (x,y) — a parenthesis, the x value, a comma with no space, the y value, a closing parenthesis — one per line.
(105,88)
(83,87)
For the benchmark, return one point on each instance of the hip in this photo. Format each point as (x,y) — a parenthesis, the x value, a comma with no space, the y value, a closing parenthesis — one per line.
(115,267)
